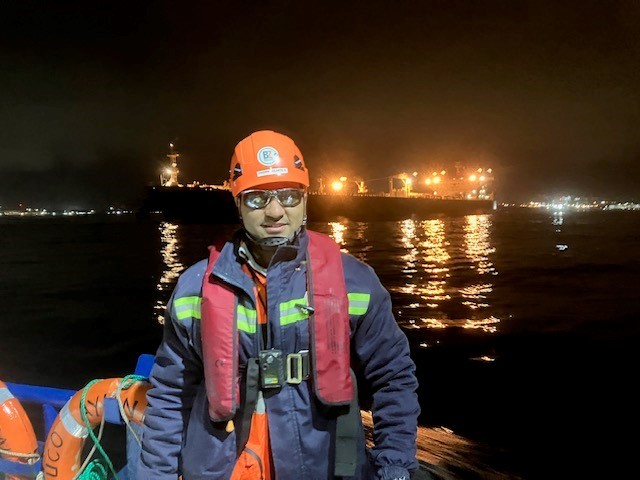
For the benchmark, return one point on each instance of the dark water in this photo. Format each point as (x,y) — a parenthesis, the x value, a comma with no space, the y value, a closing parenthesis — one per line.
(524,325)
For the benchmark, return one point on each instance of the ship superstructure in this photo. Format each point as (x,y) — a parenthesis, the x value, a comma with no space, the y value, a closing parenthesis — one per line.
(169,176)
(464,184)
(389,198)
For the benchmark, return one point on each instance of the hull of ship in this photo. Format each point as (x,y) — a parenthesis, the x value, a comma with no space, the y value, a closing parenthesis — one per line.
(192,205)
(369,208)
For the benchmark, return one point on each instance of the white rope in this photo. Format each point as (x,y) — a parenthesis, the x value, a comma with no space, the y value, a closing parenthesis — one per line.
(87,459)
(123,414)
(34,456)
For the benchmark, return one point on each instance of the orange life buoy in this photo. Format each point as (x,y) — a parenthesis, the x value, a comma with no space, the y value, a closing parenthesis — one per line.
(61,458)
(18,440)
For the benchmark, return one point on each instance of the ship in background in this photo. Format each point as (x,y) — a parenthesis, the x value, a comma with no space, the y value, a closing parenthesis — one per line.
(403,196)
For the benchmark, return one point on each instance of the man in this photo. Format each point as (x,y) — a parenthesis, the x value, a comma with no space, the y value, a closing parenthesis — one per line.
(266,344)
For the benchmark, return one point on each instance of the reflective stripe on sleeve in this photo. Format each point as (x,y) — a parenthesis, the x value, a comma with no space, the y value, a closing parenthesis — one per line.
(358,303)
(186,307)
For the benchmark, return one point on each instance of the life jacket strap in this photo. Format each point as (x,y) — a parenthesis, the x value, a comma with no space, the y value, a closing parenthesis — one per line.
(348,427)
(250,384)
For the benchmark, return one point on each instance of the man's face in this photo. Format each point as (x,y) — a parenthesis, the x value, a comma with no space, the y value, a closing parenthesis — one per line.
(274,220)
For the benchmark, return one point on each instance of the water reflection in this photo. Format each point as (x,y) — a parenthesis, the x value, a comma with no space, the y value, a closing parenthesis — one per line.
(447,268)
(439,271)
(558,221)
(425,266)
(337,233)
(478,250)
(172,265)
(357,241)
(476,238)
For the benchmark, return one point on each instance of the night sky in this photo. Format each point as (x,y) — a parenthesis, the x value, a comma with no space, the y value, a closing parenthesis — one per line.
(547,93)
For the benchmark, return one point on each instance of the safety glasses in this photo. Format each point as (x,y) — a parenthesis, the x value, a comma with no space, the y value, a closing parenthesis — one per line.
(287,197)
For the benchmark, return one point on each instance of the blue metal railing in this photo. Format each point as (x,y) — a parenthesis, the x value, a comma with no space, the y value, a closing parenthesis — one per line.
(52,400)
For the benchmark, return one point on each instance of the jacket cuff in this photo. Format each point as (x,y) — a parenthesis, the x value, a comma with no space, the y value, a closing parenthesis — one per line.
(393,473)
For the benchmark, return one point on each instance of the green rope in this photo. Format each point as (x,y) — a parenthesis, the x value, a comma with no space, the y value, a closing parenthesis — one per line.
(129,380)
(85,419)
(94,471)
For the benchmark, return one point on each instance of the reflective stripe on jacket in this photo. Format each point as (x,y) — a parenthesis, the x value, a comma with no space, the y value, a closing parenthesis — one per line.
(179,436)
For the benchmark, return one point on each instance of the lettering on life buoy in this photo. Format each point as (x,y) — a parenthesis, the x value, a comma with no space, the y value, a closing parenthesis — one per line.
(66,438)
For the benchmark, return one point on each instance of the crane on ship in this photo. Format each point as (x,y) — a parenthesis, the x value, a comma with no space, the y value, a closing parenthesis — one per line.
(169,176)
(340,184)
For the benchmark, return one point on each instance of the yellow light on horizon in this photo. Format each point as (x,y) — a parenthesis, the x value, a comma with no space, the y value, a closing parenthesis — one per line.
(343,179)
(436,180)
(337,185)
(427,181)
(472,178)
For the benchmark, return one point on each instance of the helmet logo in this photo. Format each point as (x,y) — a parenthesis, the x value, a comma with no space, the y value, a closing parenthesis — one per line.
(268,156)
(237,171)
(297,162)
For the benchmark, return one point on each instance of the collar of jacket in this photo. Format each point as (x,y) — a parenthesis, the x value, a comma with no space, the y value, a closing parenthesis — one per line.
(228,267)
(244,253)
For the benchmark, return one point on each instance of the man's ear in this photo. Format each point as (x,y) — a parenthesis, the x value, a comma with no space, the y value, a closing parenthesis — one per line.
(304,217)
(237,200)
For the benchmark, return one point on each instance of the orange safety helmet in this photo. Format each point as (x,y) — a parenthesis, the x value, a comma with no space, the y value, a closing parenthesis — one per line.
(266,157)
